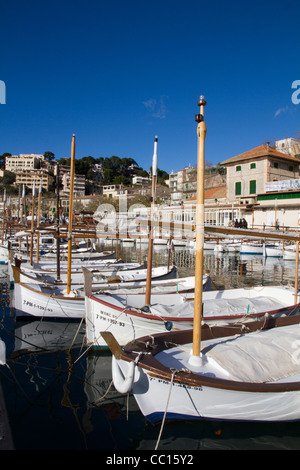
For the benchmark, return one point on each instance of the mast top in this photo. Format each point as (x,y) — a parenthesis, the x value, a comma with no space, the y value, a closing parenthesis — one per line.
(201,101)
(199,117)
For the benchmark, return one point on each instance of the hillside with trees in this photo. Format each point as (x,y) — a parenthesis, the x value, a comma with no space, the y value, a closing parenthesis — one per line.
(116,170)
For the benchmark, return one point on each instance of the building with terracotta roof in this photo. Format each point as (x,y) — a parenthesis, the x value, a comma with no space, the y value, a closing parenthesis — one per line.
(248,172)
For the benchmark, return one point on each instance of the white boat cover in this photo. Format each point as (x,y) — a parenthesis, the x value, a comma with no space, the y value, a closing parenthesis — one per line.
(215,307)
(260,357)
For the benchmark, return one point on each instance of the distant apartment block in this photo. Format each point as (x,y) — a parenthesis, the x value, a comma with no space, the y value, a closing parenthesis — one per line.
(141,180)
(78,186)
(27,177)
(16,163)
(114,191)
(183,184)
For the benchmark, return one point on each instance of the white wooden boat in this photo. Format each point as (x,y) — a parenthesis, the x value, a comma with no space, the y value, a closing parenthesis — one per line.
(77,255)
(290,252)
(242,377)
(274,251)
(97,265)
(179,242)
(115,273)
(231,246)
(123,314)
(251,249)
(54,302)
(3,253)
(245,372)
(209,244)
(127,241)
(160,241)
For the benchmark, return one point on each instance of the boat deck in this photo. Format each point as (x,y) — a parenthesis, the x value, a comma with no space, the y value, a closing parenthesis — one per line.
(275,353)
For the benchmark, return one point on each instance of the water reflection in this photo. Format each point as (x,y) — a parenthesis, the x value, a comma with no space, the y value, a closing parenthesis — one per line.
(59,394)
(228,270)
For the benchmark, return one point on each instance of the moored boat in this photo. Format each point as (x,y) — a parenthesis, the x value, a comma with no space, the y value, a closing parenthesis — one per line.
(251,249)
(240,377)
(241,372)
(124,314)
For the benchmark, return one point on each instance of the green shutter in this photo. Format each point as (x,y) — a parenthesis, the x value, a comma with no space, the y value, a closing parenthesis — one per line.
(238,188)
(253,187)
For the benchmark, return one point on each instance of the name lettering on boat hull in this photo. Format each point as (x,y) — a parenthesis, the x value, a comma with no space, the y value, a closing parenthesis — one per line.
(109,318)
(175,384)
(34,305)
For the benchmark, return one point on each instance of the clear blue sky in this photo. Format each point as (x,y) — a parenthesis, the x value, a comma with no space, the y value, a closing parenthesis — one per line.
(117,73)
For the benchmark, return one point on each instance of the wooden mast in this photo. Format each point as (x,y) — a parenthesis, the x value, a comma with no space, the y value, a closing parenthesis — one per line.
(70,214)
(38,223)
(201,132)
(3,215)
(32,222)
(150,244)
(57,226)
(23,206)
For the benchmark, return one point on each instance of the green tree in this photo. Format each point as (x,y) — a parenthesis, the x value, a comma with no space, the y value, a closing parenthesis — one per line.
(108,174)
(8,178)
(49,156)
(2,159)
(121,179)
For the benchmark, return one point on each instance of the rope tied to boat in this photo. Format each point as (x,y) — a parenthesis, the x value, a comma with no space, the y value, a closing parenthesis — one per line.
(174,372)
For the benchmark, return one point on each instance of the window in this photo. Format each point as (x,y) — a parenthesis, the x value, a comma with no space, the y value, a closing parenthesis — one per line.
(275,164)
(252,165)
(252,189)
(238,188)
(238,168)
(291,168)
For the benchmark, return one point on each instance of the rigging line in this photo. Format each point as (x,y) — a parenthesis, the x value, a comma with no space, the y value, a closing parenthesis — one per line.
(127,406)
(19,385)
(103,396)
(98,337)
(76,334)
(165,413)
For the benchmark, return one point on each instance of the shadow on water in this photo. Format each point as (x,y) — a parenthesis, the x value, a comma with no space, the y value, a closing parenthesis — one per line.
(59,395)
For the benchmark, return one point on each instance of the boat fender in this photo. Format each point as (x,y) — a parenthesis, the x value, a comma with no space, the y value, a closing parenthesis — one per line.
(168,325)
(122,384)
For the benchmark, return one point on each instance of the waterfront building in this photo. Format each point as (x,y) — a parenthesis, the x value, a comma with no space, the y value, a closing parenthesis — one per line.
(248,172)
(262,186)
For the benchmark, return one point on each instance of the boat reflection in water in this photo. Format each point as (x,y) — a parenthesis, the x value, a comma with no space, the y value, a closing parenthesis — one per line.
(59,394)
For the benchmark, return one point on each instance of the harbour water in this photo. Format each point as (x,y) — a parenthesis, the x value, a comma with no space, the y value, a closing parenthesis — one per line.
(59,395)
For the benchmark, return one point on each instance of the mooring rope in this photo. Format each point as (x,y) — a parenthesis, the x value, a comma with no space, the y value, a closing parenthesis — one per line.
(165,413)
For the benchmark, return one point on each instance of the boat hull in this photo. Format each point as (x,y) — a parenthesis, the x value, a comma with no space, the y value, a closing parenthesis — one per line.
(181,402)
(247,249)
(122,315)
(29,302)
(238,377)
